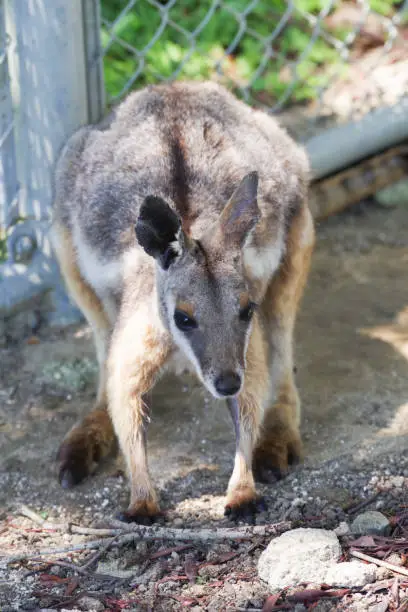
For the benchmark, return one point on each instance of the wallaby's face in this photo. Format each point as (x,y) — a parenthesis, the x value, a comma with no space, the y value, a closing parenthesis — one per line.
(204,298)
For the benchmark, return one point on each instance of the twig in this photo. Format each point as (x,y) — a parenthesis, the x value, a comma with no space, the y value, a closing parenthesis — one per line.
(52,551)
(195,535)
(98,555)
(130,533)
(155,532)
(66,527)
(81,570)
(394,568)
(168,551)
(68,565)
(367,502)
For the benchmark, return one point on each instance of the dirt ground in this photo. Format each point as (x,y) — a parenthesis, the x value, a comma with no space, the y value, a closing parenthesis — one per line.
(352,372)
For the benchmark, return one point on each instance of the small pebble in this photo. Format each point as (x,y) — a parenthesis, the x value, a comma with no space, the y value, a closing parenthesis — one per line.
(371,522)
(90,603)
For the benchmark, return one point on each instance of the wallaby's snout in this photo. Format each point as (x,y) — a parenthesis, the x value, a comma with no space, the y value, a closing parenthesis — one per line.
(228,383)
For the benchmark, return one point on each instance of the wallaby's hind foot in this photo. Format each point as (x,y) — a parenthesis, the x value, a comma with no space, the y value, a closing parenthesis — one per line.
(280,443)
(278,449)
(84,446)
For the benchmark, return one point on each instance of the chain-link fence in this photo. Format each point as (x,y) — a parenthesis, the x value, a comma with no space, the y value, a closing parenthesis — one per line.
(335,57)
(319,63)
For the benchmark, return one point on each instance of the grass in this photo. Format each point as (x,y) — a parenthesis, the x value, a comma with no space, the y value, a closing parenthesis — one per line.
(164,50)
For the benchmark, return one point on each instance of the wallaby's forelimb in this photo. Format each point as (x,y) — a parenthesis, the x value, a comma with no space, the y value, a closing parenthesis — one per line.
(138,351)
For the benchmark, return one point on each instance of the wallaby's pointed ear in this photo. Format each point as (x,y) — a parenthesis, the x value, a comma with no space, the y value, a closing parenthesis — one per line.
(158,230)
(241,213)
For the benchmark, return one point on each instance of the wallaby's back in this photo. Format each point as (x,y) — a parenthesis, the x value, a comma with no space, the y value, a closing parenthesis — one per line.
(189,143)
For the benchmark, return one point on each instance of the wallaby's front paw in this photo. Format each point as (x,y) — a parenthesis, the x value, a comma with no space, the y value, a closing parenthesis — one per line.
(274,454)
(244,504)
(143,513)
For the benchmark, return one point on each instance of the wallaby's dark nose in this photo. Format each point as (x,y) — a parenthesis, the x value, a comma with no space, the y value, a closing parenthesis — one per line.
(228,383)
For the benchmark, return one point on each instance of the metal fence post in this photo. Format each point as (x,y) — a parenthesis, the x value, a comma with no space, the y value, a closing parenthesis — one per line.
(49,86)
(8,174)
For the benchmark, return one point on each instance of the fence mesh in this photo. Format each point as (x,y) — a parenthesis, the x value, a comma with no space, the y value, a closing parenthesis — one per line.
(337,58)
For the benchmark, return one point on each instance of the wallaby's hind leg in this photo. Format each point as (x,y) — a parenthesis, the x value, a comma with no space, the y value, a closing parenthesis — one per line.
(93,438)
(280,442)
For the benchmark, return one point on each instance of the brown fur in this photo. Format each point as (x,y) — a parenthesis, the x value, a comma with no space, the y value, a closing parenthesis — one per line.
(280,442)
(93,438)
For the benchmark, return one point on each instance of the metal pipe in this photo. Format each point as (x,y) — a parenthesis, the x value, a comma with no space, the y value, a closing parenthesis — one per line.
(345,145)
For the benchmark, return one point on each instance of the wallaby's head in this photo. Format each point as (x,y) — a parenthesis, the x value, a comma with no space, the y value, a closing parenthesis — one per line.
(205,300)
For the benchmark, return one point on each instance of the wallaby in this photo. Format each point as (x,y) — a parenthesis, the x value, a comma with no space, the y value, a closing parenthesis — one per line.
(174,252)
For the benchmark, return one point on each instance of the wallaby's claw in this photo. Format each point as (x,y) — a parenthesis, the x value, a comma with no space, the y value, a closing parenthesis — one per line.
(275,454)
(140,519)
(268,474)
(73,467)
(246,511)
(143,512)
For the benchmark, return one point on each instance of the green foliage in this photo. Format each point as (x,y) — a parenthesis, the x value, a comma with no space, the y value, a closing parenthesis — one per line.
(3,247)
(164,49)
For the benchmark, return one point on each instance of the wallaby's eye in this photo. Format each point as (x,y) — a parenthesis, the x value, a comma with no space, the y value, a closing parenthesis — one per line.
(247,312)
(184,321)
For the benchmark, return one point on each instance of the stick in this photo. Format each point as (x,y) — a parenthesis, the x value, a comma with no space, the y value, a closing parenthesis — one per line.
(394,568)
(80,570)
(357,507)
(95,557)
(195,535)
(66,527)
(52,551)
(155,532)
(168,551)
(130,533)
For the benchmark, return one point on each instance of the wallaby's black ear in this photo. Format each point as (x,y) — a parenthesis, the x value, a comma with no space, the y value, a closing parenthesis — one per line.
(241,213)
(157,230)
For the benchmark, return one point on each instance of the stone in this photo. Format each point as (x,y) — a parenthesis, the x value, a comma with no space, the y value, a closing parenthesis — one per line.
(342,529)
(19,326)
(371,522)
(297,556)
(395,559)
(351,574)
(111,568)
(393,195)
(89,603)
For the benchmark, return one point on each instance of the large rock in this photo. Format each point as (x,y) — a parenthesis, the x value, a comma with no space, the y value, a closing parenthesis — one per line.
(300,555)
(371,523)
(350,574)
